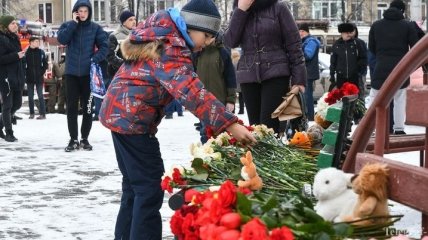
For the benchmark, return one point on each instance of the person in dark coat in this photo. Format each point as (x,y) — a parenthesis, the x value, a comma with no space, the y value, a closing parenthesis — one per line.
(310,47)
(36,65)
(348,59)
(389,40)
(12,77)
(272,57)
(82,37)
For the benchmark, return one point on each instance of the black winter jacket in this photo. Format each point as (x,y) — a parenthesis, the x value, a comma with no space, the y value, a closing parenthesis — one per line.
(11,67)
(36,65)
(348,61)
(389,40)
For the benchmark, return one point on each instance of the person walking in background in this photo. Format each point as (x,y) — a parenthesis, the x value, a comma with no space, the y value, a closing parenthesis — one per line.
(12,74)
(310,46)
(58,71)
(348,58)
(157,69)
(173,106)
(128,22)
(271,56)
(36,65)
(358,115)
(81,36)
(215,69)
(114,57)
(235,58)
(389,40)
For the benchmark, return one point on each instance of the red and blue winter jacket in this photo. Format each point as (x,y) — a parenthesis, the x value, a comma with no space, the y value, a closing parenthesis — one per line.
(138,93)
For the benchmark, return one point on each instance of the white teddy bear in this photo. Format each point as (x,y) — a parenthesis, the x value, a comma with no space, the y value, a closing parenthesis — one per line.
(336,199)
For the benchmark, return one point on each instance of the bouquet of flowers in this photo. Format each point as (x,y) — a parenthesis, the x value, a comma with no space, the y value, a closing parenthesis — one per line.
(335,96)
(231,213)
(283,168)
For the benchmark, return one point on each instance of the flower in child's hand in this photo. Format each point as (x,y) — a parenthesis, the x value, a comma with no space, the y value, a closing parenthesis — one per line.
(166,184)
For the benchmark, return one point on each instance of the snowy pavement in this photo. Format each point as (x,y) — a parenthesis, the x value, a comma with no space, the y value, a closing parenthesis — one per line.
(46,193)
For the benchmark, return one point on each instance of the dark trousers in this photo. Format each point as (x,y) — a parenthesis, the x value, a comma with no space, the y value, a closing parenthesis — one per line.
(141,165)
(241,102)
(261,99)
(62,95)
(173,106)
(39,90)
(53,92)
(309,98)
(11,102)
(78,89)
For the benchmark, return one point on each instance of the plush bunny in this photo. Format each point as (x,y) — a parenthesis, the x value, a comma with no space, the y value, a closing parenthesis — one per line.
(332,189)
(249,174)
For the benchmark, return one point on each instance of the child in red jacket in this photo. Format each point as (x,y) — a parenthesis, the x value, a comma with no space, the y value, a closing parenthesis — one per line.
(157,69)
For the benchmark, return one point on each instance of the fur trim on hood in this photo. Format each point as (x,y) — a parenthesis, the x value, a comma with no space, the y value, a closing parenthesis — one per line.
(141,51)
(258,4)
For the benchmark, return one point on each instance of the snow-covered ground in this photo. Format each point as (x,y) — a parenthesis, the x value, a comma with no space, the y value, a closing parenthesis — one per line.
(46,193)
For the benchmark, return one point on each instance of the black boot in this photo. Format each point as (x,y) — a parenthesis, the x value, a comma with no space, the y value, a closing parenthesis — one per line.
(2,134)
(85,145)
(72,145)
(9,136)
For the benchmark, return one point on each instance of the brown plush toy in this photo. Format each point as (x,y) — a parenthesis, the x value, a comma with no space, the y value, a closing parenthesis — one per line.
(371,186)
(249,174)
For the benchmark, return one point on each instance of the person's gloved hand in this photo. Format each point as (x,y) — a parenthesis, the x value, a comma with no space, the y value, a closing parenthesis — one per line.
(332,83)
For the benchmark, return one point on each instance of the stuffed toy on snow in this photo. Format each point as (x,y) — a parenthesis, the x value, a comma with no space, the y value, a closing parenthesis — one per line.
(332,189)
(371,187)
(249,174)
(300,139)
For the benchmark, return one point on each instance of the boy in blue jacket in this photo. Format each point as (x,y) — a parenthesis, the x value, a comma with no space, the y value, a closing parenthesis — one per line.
(82,37)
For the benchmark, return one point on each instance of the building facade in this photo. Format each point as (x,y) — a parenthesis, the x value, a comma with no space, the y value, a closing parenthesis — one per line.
(362,12)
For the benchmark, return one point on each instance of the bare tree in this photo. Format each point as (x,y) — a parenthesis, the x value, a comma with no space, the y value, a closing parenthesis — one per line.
(353,13)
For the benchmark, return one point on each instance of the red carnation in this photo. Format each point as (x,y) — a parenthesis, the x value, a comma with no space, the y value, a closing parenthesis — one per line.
(282,233)
(166,184)
(177,177)
(227,194)
(254,230)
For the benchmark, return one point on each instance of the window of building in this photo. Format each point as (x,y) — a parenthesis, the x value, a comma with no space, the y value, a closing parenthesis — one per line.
(327,10)
(381,7)
(115,10)
(45,12)
(99,10)
(357,11)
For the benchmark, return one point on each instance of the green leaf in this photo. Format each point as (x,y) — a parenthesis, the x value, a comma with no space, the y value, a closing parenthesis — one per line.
(199,177)
(317,227)
(243,204)
(198,165)
(269,221)
(342,229)
(271,203)
(322,236)
(311,215)
(288,221)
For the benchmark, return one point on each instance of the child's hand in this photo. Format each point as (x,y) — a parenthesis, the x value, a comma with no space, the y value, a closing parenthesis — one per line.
(241,134)
(230,107)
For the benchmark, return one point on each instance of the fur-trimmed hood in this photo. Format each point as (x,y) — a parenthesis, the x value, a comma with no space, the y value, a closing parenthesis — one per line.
(258,4)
